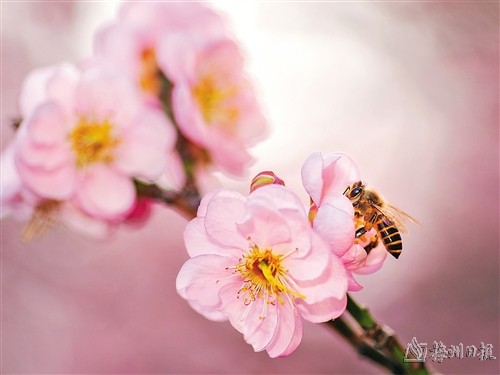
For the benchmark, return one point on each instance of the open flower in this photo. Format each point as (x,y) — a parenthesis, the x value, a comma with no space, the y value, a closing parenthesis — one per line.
(85,135)
(257,262)
(131,43)
(214,102)
(325,178)
(186,45)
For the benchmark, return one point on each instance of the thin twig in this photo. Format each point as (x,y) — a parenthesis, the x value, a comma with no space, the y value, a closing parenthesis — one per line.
(382,338)
(186,201)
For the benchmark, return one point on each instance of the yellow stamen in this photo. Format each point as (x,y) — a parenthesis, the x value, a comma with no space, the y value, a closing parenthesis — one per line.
(265,277)
(149,74)
(215,103)
(93,142)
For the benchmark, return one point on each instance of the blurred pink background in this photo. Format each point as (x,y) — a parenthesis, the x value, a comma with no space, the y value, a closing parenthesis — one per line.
(409,90)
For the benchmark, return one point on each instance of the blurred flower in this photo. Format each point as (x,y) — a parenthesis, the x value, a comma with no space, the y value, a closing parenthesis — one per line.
(132,43)
(257,262)
(325,178)
(214,103)
(85,135)
(186,45)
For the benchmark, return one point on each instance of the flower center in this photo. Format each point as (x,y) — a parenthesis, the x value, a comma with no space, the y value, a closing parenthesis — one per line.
(265,277)
(93,142)
(216,103)
(149,72)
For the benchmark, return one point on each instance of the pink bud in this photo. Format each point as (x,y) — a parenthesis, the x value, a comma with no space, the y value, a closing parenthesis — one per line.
(265,178)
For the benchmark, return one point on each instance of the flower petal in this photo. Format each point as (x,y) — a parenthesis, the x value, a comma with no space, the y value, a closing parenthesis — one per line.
(106,193)
(312,176)
(54,83)
(221,146)
(265,227)
(188,116)
(58,184)
(261,323)
(279,197)
(332,283)
(174,176)
(289,331)
(354,258)
(335,225)
(325,310)
(106,94)
(85,224)
(311,266)
(200,280)
(339,172)
(119,45)
(296,338)
(374,261)
(10,183)
(223,212)
(233,306)
(353,285)
(199,243)
(145,145)
(330,174)
(46,125)
(176,61)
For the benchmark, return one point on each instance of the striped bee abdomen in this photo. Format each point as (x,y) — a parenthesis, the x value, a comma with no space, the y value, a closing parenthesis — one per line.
(390,236)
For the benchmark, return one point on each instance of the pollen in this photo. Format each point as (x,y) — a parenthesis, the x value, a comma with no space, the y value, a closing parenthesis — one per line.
(93,142)
(149,72)
(217,103)
(265,277)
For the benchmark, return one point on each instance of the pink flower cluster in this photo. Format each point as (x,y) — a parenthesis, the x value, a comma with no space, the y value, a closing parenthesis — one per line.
(186,46)
(164,93)
(264,264)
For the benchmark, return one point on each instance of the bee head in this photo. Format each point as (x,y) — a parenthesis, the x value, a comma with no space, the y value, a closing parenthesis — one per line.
(354,192)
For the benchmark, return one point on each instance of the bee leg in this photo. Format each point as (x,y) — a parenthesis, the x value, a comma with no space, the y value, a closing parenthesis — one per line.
(373,244)
(360,232)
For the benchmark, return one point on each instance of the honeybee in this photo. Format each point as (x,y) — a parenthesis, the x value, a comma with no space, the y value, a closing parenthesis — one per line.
(371,211)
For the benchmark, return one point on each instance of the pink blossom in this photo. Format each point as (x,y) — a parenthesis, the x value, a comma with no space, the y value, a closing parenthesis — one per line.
(257,262)
(325,178)
(131,43)
(213,101)
(84,137)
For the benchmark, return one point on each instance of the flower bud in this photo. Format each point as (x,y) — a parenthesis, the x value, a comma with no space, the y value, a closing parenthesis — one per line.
(265,178)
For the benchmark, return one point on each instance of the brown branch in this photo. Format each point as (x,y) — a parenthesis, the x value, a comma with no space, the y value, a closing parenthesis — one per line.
(185,202)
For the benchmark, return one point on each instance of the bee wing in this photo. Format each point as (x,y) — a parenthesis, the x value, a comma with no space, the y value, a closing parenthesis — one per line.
(403,216)
(397,216)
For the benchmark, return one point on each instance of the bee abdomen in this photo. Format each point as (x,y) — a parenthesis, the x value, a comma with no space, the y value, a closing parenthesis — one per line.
(391,238)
